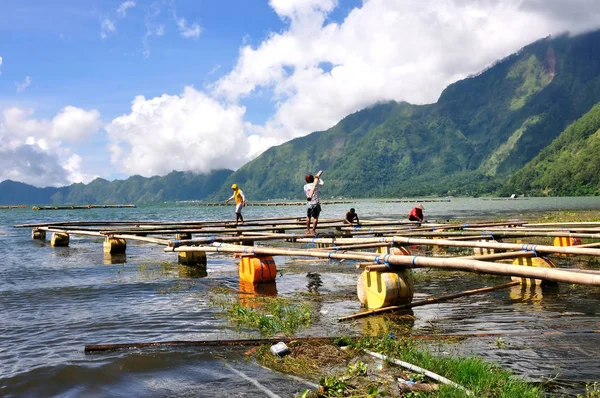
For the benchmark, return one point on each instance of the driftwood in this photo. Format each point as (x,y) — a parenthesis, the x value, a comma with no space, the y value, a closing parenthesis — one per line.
(90,348)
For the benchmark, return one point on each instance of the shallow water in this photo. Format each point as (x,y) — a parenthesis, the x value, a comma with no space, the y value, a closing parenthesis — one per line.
(54,301)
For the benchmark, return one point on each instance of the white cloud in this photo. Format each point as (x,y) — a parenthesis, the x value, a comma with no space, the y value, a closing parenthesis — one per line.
(298,8)
(188,31)
(124,6)
(190,131)
(22,86)
(74,172)
(0,65)
(38,151)
(160,30)
(74,124)
(106,27)
(320,71)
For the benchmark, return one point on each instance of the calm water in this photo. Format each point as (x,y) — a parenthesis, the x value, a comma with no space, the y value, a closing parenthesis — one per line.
(54,301)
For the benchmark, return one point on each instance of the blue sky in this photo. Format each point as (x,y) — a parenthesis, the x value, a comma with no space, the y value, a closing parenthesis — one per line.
(115,88)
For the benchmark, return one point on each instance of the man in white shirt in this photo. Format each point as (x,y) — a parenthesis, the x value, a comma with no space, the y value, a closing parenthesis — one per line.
(313,197)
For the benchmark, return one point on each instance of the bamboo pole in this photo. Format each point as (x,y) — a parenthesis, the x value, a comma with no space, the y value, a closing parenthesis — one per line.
(99,234)
(448,242)
(418,369)
(71,231)
(92,348)
(431,300)
(199,343)
(377,267)
(562,224)
(163,242)
(210,239)
(544,229)
(217,230)
(133,222)
(358,246)
(517,233)
(550,274)
(501,256)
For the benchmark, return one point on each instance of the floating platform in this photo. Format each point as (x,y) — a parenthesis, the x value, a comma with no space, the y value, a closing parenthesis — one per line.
(13,207)
(416,201)
(387,280)
(337,202)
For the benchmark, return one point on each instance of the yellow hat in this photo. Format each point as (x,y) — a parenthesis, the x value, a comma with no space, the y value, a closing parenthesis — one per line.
(420,206)
(234,186)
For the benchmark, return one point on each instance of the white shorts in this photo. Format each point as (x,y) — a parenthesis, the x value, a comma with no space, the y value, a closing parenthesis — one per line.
(238,207)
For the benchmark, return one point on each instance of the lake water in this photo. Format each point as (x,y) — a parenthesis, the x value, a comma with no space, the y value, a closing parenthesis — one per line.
(54,301)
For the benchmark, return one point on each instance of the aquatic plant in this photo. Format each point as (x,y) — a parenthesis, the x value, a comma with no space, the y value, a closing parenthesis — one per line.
(267,314)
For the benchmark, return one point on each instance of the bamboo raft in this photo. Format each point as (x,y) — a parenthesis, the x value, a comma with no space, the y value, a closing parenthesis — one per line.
(337,202)
(370,245)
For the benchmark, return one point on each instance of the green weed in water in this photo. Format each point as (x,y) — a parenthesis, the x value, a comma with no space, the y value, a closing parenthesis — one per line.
(267,314)
(592,390)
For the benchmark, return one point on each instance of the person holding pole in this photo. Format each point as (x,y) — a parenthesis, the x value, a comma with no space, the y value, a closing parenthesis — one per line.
(313,197)
(240,201)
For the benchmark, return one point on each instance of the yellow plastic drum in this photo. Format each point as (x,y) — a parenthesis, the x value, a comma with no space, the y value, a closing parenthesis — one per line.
(399,251)
(382,289)
(256,269)
(479,251)
(566,241)
(533,262)
(396,250)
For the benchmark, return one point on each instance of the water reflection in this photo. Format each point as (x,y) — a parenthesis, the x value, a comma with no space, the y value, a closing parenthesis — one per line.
(197,271)
(268,289)
(400,323)
(115,258)
(530,297)
(314,282)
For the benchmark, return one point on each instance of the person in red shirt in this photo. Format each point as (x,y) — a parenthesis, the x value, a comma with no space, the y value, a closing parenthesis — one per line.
(416,214)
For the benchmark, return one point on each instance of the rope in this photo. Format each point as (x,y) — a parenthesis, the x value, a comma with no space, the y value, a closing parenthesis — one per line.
(413,260)
(332,252)
(385,260)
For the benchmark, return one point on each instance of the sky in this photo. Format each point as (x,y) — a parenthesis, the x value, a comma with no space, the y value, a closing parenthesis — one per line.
(115,88)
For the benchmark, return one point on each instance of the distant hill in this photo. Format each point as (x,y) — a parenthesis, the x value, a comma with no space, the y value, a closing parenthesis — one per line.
(480,131)
(570,166)
(176,185)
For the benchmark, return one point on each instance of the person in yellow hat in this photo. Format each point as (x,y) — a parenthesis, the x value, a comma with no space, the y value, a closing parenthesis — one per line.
(240,201)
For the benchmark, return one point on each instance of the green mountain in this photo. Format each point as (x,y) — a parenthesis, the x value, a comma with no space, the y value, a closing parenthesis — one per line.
(176,185)
(570,166)
(480,131)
